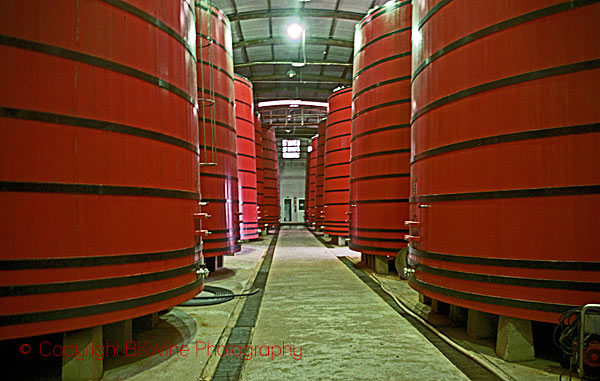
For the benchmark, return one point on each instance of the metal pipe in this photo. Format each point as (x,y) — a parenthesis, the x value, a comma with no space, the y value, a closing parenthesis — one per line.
(321,63)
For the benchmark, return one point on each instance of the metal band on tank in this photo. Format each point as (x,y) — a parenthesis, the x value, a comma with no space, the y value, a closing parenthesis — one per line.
(68,120)
(96,189)
(513,281)
(94,284)
(508,81)
(73,55)
(576,190)
(527,17)
(503,262)
(512,137)
(505,302)
(152,21)
(68,313)
(101,260)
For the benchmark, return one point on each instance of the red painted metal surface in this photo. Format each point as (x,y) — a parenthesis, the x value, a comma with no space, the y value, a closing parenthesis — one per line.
(98,177)
(505,149)
(320,173)
(312,184)
(271,212)
(379,169)
(217,135)
(307,221)
(336,191)
(246,159)
(260,183)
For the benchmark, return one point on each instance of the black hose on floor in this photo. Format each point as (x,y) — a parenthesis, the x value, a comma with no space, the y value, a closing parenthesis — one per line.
(220,295)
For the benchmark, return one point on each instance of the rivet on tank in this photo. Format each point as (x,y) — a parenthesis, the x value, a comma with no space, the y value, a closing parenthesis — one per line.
(380,142)
(217,134)
(99,171)
(505,181)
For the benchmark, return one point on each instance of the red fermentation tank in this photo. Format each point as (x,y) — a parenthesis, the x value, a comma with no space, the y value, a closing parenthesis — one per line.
(379,168)
(505,176)
(98,177)
(312,184)
(307,190)
(260,196)
(336,191)
(217,135)
(246,157)
(319,211)
(271,211)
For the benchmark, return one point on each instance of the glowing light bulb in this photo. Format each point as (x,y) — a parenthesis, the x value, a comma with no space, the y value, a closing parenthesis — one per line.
(295,31)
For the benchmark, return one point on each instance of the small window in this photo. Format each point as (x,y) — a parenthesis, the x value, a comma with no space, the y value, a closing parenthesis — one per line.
(290,148)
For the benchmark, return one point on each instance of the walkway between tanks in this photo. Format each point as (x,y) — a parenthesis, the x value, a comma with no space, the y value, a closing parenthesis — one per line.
(337,327)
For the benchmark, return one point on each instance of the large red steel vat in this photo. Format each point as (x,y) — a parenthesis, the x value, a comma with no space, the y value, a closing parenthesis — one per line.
(271,211)
(260,183)
(336,192)
(505,172)
(312,183)
(217,135)
(246,159)
(307,191)
(98,177)
(320,170)
(379,169)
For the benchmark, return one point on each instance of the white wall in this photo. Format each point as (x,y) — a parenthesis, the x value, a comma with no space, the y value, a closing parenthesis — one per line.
(292,177)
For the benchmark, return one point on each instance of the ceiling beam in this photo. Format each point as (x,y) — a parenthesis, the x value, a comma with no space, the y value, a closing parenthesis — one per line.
(293,12)
(283,77)
(300,88)
(321,63)
(285,41)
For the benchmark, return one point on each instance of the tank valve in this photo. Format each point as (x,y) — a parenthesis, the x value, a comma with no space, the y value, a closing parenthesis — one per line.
(202,273)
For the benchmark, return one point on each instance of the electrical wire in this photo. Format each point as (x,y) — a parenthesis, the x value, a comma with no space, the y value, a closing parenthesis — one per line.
(221,295)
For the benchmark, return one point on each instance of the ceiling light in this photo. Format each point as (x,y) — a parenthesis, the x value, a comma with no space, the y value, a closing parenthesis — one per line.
(289,102)
(295,31)
(288,131)
(291,73)
(298,64)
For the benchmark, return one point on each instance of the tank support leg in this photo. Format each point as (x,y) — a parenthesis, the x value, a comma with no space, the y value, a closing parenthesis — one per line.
(515,339)
(338,240)
(146,322)
(117,335)
(458,316)
(85,365)
(481,325)
(381,264)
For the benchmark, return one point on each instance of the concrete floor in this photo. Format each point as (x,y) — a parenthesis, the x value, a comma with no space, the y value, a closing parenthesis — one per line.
(332,324)
(189,325)
(345,331)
